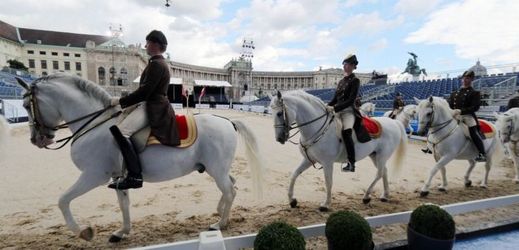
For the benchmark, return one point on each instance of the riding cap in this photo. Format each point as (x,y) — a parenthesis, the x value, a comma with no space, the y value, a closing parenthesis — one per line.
(398,94)
(469,74)
(350,59)
(157,37)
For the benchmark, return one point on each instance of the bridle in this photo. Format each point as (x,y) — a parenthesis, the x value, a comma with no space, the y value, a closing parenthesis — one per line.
(439,127)
(38,125)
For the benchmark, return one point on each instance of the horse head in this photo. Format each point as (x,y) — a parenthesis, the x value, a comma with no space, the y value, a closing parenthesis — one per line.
(432,112)
(506,125)
(42,114)
(281,116)
(410,110)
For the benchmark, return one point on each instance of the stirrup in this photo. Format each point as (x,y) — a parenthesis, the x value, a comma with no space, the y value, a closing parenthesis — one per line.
(348,168)
(126,183)
(481,158)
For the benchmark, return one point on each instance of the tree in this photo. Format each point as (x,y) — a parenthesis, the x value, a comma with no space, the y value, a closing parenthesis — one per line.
(15,64)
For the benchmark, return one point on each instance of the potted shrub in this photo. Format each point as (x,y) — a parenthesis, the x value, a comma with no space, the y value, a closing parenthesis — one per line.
(281,236)
(348,230)
(430,227)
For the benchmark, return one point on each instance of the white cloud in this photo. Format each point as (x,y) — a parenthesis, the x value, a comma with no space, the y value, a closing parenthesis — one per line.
(416,8)
(477,29)
(368,24)
(378,45)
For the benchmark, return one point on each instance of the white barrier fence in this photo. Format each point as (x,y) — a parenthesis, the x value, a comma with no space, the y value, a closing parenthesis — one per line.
(214,240)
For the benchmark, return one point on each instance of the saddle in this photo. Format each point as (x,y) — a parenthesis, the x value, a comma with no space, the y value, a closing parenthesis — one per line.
(187,131)
(365,128)
(486,130)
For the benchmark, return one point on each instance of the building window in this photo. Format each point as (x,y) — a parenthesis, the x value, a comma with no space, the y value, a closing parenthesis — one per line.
(67,65)
(43,64)
(43,53)
(78,66)
(101,75)
(30,52)
(77,55)
(55,65)
(66,54)
(44,73)
(54,53)
(31,63)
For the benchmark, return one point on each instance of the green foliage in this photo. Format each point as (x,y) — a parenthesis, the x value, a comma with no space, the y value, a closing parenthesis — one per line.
(15,64)
(348,230)
(279,236)
(433,221)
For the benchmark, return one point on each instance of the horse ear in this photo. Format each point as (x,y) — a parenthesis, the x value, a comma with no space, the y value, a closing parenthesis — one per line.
(416,100)
(430,98)
(22,83)
(279,94)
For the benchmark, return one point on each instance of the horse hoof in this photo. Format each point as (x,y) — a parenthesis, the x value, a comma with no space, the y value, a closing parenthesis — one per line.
(441,189)
(468,183)
(293,203)
(424,194)
(87,234)
(483,186)
(384,199)
(212,229)
(323,209)
(366,200)
(114,239)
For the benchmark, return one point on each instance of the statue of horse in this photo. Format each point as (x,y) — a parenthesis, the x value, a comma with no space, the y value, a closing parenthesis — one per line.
(62,97)
(448,141)
(507,125)
(408,114)
(319,141)
(367,109)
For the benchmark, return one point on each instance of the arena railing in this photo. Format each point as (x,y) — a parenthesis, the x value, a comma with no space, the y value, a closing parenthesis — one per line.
(247,241)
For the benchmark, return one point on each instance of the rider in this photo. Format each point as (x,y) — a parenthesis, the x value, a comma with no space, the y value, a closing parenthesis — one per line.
(398,106)
(466,102)
(343,103)
(148,105)
(358,102)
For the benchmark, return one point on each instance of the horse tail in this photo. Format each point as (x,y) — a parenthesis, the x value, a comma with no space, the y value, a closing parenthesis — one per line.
(254,157)
(497,151)
(400,152)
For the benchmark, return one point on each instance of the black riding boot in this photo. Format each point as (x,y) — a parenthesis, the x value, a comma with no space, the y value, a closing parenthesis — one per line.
(474,135)
(350,149)
(131,158)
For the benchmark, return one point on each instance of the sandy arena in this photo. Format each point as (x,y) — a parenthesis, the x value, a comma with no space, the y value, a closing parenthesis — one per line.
(32,180)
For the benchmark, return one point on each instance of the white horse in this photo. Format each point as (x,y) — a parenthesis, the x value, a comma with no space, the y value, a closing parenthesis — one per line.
(367,108)
(319,142)
(449,142)
(407,114)
(507,126)
(50,100)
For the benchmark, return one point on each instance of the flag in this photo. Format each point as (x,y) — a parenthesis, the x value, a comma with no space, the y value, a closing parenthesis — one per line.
(202,93)
(184,91)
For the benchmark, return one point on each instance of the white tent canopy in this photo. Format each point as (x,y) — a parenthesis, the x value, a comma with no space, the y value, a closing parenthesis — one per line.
(212,83)
(172,80)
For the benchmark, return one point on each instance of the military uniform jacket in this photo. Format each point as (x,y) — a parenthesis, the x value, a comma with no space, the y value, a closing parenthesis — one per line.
(397,104)
(152,89)
(513,103)
(467,100)
(346,93)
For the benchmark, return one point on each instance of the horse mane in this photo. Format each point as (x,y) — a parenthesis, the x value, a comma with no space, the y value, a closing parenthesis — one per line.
(305,96)
(441,102)
(88,87)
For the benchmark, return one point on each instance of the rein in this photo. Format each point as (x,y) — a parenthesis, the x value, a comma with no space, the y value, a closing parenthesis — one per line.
(38,124)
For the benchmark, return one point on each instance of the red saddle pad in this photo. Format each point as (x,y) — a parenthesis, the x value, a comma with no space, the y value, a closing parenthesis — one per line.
(182,126)
(372,126)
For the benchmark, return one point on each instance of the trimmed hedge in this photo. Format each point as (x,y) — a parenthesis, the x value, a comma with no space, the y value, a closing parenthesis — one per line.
(433,221)
(279,236)
(348,230)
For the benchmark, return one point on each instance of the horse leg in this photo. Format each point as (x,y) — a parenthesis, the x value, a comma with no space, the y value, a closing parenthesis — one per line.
(221,203)
(441,163)
(443,186)
(328,179)
(385,195)
(468,182)
(226,186)
(85,183)
(124,205)
(484,182)
(515,159)
(366,199)
(305,164)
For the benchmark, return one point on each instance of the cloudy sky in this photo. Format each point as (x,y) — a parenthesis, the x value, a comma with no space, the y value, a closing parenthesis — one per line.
(298,34)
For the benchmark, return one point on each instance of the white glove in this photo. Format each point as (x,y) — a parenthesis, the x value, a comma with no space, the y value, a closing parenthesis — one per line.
(330,109)
(456,113)
(114,101)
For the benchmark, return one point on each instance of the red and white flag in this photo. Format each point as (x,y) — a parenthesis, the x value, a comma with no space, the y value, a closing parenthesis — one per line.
(202,93)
